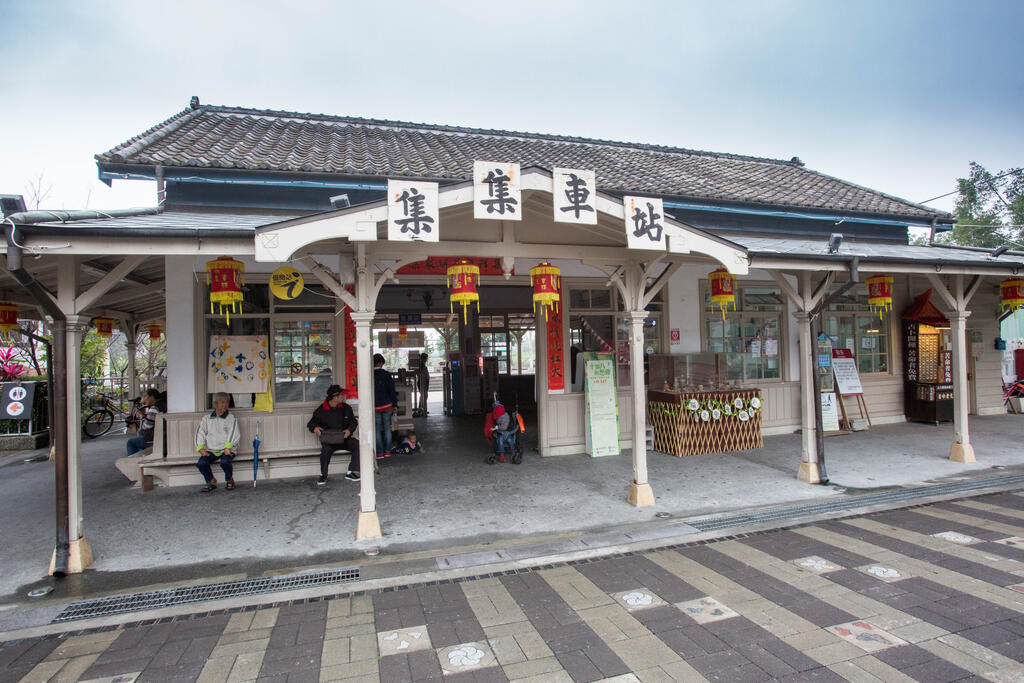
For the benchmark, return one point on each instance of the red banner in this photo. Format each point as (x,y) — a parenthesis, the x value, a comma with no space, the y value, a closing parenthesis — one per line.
(438,265)
(556,354)
(351,363)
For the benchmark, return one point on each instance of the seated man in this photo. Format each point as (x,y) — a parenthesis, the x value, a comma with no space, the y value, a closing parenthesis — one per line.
(147,426)
(335,423)
(217,439)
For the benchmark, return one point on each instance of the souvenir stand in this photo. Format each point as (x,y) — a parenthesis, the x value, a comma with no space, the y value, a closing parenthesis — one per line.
(927,363)
(694,410)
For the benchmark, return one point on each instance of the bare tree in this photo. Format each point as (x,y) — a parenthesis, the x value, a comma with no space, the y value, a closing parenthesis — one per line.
(38,190)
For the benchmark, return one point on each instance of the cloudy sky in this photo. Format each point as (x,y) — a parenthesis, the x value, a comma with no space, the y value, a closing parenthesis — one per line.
(895,95)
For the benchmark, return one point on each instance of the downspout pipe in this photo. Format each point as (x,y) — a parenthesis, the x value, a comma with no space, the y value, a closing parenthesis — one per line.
(58,397)
(854,265)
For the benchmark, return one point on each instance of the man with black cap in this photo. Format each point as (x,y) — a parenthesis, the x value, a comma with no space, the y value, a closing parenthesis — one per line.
(335,423)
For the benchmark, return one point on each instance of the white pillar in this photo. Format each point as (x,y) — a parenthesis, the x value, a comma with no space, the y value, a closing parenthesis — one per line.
(961,450)
(540,381)
(80,555)
(640,492)
(131,349)
(181,334)
(369,523)
(809,452)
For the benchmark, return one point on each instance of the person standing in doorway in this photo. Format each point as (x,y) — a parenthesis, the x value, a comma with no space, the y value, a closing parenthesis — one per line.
(335,424)
(423,382)
(385,398)
(216,440)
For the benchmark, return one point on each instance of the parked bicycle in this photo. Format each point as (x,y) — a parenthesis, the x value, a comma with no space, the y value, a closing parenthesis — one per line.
(106,411)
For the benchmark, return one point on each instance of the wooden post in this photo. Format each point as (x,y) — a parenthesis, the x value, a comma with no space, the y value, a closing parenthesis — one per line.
(368,526)
(640,492)
(809,446)
(961,450)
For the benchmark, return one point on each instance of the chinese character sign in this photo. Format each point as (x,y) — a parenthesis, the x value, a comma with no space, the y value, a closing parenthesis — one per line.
(413,213)
(556,354)
(496,191)
(573,196)
(645,223)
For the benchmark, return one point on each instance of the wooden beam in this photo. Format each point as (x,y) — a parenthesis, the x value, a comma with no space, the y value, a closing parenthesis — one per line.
(101,270)
(787,289)
(328,281)
(88,298)
(661,281)
(972,289)
(939,286)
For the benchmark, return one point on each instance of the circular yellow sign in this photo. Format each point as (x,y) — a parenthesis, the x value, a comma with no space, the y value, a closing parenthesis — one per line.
(286,283)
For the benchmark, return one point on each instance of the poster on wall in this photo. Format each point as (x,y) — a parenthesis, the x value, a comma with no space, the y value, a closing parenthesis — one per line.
(238,364)
(556,352)
(829,412)
(602,408)
(845,368)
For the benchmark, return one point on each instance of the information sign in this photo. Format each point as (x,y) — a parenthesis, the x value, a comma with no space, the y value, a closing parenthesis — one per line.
(602,408)
(829,412)
(393,340)
(845,368)
(410,319)
(16,400)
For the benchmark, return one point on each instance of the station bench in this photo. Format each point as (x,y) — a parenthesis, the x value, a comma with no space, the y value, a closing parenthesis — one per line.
(287,449)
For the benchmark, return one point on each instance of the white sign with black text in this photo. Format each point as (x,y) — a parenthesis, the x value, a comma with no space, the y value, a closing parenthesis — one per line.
(573,196)
(645,223)
(496,191)
(413,214)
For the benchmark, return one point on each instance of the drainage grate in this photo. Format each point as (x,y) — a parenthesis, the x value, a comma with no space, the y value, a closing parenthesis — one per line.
(134,602)
(851,503)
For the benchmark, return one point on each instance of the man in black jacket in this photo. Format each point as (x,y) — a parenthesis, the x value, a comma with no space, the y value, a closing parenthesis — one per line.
(336,417)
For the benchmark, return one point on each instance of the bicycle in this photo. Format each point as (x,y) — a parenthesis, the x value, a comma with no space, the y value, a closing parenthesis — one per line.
(106,411)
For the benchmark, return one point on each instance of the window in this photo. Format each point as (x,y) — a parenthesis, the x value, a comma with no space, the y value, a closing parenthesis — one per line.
(301,334)
(750,335)
(850,324)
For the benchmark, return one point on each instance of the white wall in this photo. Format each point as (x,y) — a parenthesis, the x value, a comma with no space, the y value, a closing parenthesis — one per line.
(181,333)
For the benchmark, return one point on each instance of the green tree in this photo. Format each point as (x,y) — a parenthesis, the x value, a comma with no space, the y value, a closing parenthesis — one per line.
(990,208)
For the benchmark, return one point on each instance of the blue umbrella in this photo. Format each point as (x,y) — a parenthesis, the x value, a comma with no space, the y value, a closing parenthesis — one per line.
(256,453)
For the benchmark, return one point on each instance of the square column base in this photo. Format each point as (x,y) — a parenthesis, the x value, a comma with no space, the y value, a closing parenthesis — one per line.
(640,495)
(79,557)
(961,452)
(368,526)
(809,472)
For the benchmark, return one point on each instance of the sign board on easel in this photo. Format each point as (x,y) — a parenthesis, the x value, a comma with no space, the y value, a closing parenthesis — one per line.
(845,368)
(829,412)
(602,408)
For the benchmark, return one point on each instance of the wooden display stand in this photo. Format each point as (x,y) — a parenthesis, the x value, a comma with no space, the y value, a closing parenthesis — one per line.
(927,366)
(677,432)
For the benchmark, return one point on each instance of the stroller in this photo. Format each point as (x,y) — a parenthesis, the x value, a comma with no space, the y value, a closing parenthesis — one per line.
(512,437)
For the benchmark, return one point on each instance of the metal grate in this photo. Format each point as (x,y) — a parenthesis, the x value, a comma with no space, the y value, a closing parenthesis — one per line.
(134,602)
(851,502)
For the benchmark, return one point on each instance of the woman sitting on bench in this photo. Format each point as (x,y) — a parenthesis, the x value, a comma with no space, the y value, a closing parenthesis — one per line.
(216,439)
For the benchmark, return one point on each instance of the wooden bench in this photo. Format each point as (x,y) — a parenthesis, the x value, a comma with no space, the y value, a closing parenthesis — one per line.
(287,449)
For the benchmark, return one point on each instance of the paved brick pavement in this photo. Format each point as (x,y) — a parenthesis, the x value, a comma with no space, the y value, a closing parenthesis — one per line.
(933,593)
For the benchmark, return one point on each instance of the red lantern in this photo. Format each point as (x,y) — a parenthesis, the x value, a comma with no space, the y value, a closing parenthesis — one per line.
(546,280)
(880,293)
(8,318)
(1011,294)
(104,327)
(225,276)
(403,331)
(463,279)
(155,332)
(723,290)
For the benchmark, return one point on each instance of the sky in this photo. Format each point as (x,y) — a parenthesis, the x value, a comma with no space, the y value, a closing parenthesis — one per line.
(895,95)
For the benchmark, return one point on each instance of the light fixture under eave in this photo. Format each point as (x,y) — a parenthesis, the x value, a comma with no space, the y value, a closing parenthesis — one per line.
(999,251)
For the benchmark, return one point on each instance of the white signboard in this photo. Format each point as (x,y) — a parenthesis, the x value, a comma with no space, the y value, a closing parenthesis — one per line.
(392,340)
(602,408)
(238,364)
(645,223)
(573,195)
(829,412)
(845,368)
(496,193)
(413,213)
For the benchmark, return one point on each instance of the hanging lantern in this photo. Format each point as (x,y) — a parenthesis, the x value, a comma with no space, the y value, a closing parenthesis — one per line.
(546,281)
(1011,294)
(403,331)
(104,327)
(723,290)
(155,332)
(463,279)
(880,293)
(225,277)
(8,318)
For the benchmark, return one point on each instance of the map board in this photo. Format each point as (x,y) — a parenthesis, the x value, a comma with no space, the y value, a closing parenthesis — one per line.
(845,368)
(602,408)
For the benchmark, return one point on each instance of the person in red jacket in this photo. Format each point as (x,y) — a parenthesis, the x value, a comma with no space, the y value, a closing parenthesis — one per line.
(337,416)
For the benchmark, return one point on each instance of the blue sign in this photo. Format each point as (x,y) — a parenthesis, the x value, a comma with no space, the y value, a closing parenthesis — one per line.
(410,319)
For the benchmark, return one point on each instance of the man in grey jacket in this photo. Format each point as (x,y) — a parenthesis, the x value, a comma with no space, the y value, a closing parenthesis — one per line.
(217,440)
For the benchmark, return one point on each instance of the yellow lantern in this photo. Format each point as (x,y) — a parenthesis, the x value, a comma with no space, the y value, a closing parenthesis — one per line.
(546,281)
(225,276)
(1011,294)
(8,318)
(723,290)
(104,327)
(463,279)
(880,293)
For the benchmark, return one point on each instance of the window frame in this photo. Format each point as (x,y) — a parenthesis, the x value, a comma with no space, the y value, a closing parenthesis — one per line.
(885,326)
(782,325)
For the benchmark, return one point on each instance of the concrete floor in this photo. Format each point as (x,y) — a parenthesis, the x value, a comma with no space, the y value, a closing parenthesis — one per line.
(445,497)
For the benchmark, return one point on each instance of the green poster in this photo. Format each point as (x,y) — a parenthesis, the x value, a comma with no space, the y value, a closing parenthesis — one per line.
(602,407)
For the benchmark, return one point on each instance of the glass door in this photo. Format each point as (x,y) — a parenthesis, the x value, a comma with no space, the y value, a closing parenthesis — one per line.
(302,360)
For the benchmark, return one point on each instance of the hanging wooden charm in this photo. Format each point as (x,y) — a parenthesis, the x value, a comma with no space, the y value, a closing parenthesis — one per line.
(880,293)
(546,281)
(8,318)
(463,279)
(104,327)
(723,290)
(225,276)
(1011,294)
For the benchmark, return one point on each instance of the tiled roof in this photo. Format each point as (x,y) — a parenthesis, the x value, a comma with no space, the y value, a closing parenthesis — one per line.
(804,248)
(215,137)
